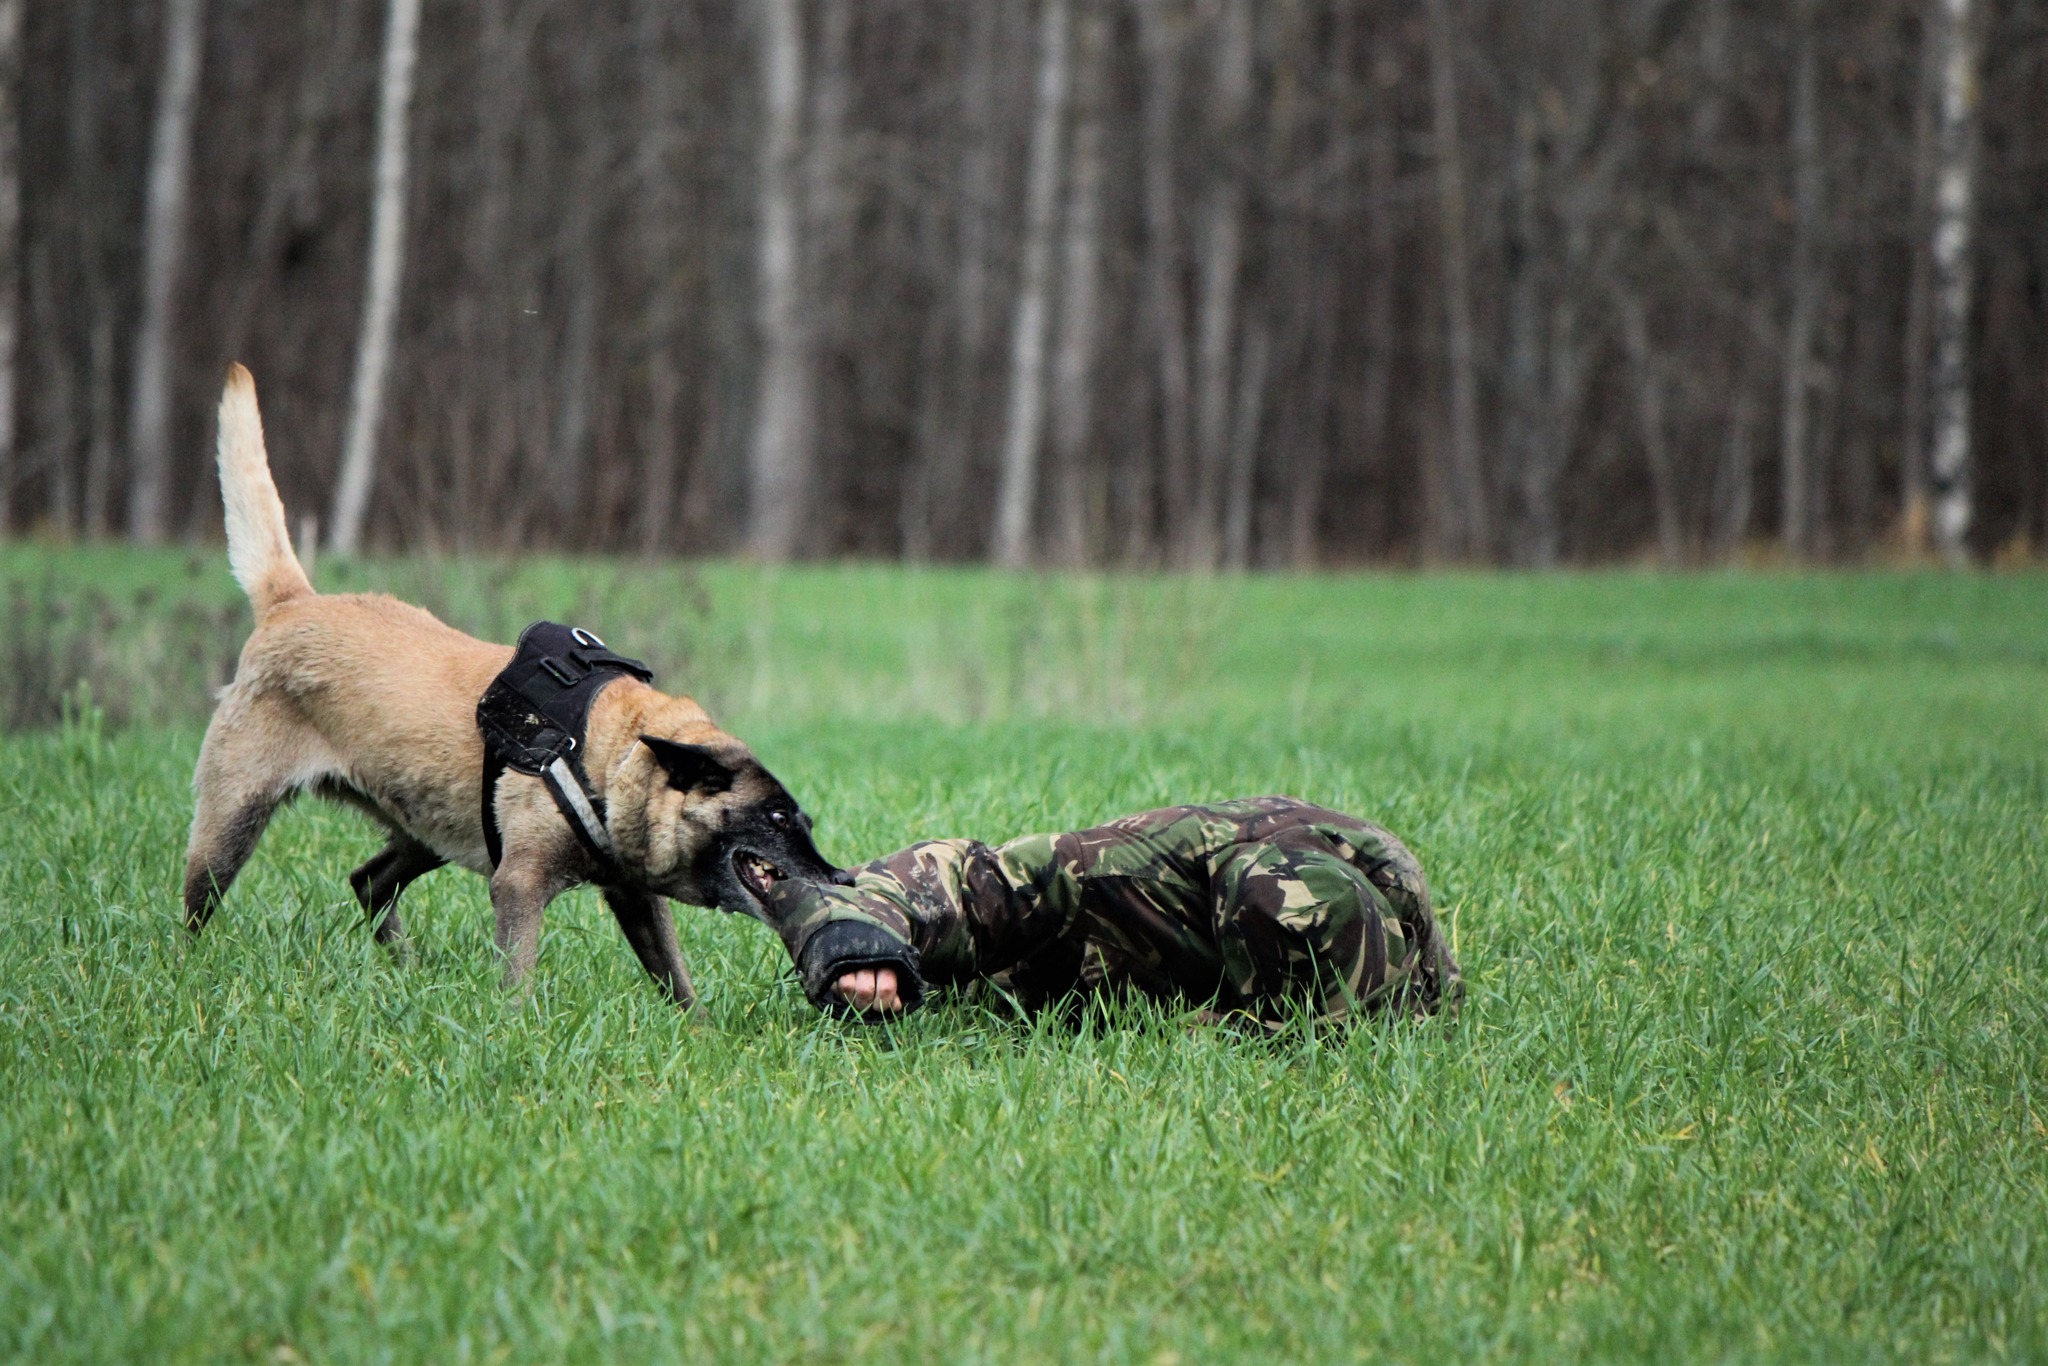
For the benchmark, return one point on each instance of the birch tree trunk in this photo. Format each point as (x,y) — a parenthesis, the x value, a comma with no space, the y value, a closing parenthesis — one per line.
(1073,408)
(1018,489)
(1222,252)
(1462,532)
(785,403)
(10,246)
(1795,480)
(1955,214)
(165,212)
(381,281)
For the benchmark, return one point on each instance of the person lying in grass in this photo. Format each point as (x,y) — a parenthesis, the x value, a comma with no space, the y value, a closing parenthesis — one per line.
(1262,907)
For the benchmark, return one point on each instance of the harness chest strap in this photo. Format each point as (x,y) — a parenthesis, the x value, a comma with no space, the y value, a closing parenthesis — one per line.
(533,718)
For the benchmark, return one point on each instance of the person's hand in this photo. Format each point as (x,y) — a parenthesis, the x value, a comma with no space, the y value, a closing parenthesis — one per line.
(871,989)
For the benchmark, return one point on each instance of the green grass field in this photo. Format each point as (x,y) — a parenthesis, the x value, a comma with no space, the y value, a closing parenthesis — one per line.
(1747,876)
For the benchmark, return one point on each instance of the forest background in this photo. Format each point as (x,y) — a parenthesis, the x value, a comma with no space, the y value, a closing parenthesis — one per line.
(1744,869)
(1126,282)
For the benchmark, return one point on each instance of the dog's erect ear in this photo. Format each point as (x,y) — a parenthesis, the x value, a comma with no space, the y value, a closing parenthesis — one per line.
(691,768)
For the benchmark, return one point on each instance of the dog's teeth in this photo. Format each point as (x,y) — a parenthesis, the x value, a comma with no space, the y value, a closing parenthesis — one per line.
(759,871)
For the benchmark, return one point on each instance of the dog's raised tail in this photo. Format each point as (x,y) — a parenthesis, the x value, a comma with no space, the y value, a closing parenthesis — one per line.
(259,546)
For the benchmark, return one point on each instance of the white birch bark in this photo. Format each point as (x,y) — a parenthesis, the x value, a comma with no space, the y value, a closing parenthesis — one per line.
(10,245)
(1022,433)
(1955,214)
(1073,407)
(165,212)
(1463,533)
(381,280)
(785,400)
(1795,480)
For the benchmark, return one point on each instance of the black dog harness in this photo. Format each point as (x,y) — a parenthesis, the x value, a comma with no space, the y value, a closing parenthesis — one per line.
(533,717)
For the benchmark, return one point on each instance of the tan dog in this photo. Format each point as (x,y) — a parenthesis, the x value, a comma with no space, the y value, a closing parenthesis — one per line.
(367,700)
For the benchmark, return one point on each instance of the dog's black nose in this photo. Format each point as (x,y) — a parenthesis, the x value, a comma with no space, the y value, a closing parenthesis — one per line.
(842,877)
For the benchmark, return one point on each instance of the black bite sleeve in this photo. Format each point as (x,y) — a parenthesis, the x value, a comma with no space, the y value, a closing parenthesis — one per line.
(843,946)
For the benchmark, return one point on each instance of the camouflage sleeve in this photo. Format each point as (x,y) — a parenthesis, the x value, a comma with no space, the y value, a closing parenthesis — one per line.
(976,911)
(831,931)
(951,902)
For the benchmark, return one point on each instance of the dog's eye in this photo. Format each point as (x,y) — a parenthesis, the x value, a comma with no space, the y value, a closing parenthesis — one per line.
(779,819)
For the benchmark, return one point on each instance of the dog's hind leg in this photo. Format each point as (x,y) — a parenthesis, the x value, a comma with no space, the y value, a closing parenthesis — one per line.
(651,930)
(223,837)
(248,767)
(379,883)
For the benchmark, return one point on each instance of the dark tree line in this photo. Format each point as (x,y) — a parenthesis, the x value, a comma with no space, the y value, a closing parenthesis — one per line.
(1155,282)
